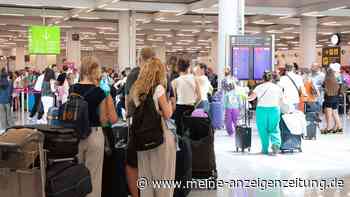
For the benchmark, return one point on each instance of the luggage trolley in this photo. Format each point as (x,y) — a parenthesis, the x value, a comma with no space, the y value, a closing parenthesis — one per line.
(19,150)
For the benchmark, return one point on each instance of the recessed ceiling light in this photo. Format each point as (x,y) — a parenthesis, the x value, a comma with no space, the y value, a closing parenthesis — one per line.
(10,14)
(332,23)
(115,1)
(284,17)
(315,14)
(50,16)
(337,8)
(263,22)
(287,37)
(161,29)
(89,10)
(89,18)
(102,6)
(206,22)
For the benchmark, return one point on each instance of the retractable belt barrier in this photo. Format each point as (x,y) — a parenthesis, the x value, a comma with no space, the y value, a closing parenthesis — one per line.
(24,93)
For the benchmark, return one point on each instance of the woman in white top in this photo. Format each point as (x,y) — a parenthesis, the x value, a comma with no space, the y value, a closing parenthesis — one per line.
(158,163)
(268,113)
(187,93)
(205,87)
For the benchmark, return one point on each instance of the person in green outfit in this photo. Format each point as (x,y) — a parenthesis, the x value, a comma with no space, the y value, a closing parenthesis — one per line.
(269,96)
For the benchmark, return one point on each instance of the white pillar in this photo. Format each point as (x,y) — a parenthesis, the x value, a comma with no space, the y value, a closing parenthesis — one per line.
(41,62)
(161,53)
(73,51)
(127,40)
(231,22)
(20,52)
(214,53)
(308,34)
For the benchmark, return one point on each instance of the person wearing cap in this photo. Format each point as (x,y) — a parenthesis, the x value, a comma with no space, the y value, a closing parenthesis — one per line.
(268,113)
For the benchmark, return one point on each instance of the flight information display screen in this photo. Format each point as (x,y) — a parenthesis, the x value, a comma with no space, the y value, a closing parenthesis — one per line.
(262,62)
(240,62)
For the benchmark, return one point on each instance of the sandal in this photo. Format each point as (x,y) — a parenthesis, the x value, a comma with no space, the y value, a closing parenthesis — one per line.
(339,130)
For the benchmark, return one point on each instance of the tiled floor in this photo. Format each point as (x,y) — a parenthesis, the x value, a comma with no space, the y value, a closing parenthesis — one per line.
(326,158)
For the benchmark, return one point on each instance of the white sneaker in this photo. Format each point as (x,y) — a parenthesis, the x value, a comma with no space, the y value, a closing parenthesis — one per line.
(41,121)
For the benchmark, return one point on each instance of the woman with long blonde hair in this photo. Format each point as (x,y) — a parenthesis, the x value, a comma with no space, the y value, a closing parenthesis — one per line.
(158,163)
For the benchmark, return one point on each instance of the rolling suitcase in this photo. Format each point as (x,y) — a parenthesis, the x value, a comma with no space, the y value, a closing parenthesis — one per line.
(183,170)
(289,141)
(201,133)
(311,128)
(217,114)
(20,177)
(243,135)
(114,181)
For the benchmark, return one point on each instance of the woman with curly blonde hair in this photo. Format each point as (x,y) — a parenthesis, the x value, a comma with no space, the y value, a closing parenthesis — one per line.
(157,163)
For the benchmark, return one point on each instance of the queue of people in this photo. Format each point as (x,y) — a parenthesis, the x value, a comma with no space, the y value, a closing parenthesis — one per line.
(174,89)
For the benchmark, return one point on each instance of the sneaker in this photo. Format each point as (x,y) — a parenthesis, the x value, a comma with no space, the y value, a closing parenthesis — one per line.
(275,149)
(41,121)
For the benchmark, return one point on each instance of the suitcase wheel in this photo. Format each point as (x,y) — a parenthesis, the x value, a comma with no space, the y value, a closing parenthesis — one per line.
(237,149)
(300,150)
(249,149)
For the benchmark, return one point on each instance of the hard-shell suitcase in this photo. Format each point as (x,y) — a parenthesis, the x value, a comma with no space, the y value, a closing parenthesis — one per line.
(312,125)
(217,114)
(243,138)
(183,170)
(243,135)
(201,133)
(114,181)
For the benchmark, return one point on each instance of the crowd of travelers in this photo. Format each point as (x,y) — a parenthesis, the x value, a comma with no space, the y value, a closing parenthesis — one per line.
(174,88)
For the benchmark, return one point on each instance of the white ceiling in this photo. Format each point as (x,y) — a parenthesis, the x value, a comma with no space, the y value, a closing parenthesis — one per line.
(181,25)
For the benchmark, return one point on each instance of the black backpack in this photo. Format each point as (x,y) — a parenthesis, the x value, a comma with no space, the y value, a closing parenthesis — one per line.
(75,113)
(146,128)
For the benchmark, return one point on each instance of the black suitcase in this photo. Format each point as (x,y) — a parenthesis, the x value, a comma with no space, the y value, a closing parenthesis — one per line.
(68,179)
(201,133)
(59,142)
(243,135)
(183,166)
(114,181)
(243,138)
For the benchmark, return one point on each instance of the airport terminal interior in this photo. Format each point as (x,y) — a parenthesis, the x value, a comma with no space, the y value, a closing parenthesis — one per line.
(249,42)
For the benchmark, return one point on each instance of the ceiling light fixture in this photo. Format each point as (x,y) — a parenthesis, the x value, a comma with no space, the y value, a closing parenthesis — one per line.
(89,10)
(89,18)
(287,37)
(181,13)
(115,1)
(10,14)
(161,29)
(337,8)
(102,6)
(315,14)
(284,17)
(262,22)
